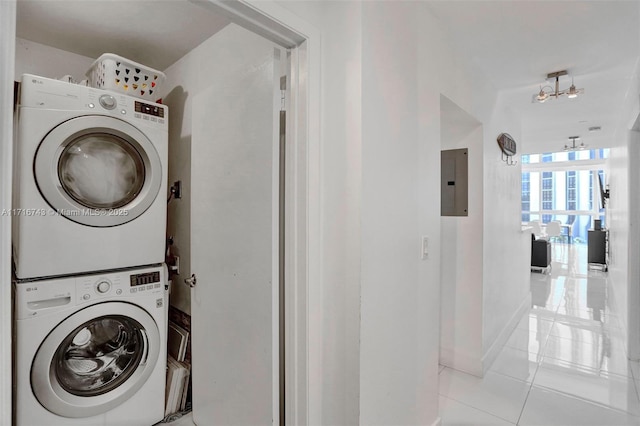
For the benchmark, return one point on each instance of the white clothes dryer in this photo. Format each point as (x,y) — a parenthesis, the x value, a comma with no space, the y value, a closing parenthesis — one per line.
(90,180)
(91,350)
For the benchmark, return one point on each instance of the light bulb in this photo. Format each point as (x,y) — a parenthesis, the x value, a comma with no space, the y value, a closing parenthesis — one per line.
(542,96)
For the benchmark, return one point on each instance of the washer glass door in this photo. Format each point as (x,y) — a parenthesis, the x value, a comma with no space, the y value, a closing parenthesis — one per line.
(99,355)
(95,359)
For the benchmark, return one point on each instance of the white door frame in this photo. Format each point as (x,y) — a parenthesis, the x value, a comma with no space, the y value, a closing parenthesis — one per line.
(303,272)
(7,67)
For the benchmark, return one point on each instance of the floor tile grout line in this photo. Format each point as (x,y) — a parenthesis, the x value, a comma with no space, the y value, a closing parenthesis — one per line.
(478,409)
(532,381)
(517,379)
(542,353)
(627,376)
(635,384)
(524,404)
(584,400)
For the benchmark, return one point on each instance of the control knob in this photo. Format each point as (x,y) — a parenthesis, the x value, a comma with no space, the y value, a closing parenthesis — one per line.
(103,287)
(108,101)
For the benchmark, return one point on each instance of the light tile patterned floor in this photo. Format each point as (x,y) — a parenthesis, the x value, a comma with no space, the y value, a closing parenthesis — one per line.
(563,365)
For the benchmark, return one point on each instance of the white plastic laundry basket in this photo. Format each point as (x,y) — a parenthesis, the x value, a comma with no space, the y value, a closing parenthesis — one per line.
(113,72)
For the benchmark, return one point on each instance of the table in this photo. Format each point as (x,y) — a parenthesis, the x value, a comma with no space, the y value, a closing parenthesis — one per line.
(526,226)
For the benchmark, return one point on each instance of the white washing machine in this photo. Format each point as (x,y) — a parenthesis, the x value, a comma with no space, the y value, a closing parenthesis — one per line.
(90,180)
(91,350)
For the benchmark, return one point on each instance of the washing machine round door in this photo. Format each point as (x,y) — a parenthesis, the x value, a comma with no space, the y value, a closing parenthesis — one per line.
(98,171)
(95,359)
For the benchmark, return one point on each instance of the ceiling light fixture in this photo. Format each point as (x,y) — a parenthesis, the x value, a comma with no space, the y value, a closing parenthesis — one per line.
(547,92)
(573,146)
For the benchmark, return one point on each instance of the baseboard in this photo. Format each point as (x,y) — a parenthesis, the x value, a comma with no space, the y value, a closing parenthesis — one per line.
(492,353)
(438,422)
(461,361)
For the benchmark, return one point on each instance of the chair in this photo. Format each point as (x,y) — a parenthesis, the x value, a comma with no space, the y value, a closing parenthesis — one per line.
(536,228)
(569,227)
(554,229)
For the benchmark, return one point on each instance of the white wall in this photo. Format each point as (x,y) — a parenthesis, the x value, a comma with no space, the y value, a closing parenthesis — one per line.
(47,61)
(429,48)
(403,64)
(507,250)
(461,250)
(623,218)
(633,275)
(341,174)
(633,301)
(399,310)
(504,291)
(485,256)
(618,221)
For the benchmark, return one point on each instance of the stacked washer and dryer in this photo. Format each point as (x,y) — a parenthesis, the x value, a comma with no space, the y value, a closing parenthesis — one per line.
(89,245)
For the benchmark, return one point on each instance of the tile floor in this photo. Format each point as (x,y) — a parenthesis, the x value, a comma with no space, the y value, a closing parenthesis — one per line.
(564,364)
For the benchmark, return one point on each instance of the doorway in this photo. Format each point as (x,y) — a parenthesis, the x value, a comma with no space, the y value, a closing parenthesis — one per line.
(461,285)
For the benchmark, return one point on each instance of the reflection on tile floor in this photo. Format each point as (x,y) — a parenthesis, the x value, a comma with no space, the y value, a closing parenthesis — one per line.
(564,364)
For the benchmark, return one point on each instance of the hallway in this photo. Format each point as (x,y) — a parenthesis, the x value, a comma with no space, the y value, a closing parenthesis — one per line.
(564,364)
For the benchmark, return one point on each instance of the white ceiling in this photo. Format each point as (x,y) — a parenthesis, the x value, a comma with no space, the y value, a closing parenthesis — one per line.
(517,43)
(155,33)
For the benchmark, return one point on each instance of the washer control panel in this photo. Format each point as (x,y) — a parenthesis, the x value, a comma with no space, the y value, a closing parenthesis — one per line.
(124,284)
(96,287)
(40,297)
(144,282)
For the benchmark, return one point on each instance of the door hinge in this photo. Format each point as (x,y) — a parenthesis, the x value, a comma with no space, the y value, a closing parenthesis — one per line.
(191,281)
(283,89)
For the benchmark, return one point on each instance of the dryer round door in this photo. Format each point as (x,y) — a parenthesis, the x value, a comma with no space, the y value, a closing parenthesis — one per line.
(95,359)
(98,171)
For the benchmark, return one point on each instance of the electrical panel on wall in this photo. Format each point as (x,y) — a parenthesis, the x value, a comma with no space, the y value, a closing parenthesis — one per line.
(454,185)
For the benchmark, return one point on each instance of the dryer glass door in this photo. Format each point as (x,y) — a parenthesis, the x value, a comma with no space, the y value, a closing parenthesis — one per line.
(99,355)
(101,171)
(98,171)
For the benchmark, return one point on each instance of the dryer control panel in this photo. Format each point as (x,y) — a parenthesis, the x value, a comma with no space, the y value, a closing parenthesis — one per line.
(153,113)
(41,92)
